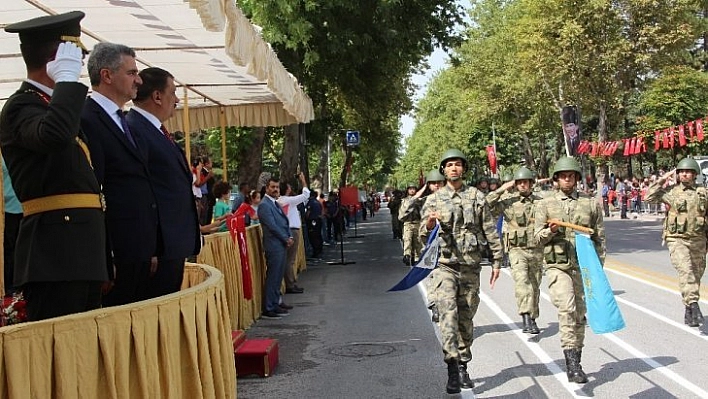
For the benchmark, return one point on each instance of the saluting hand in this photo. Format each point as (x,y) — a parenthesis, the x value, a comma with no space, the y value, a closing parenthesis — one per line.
(66,65)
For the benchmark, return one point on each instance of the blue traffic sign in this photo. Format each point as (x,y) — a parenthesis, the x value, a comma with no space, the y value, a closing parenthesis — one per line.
(352,137)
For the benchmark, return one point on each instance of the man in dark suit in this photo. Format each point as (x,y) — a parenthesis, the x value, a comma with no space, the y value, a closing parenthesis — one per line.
(60,261)
(120,165)
(276,241)
(170,176)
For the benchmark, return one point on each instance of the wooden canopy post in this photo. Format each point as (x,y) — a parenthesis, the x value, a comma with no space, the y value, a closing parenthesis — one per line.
(222,122)
(185,125)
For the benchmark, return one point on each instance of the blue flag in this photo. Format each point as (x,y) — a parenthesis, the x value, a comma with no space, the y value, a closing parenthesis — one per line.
(427,262)
(602,311)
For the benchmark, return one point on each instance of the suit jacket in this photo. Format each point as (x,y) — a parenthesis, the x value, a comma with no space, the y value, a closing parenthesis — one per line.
(42,146)
(171,180)
(274,222)
(122,171)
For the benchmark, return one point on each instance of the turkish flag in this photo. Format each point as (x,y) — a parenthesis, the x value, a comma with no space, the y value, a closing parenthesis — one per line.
(639,146)
(665,138)
(682,136)
(492,158)
(237,228)
(691,133)
(626,147)
(699,129)
(657,140)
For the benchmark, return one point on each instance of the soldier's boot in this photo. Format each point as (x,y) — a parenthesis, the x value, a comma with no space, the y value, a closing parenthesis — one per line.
(453,377)
(407,260)
(533,328)
(465,380)
(696,313)
(574,370)
(525,317)
(688,317)
(435,317)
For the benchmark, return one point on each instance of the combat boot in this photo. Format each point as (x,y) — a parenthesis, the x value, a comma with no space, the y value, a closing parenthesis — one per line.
(574,370)
(435,317)
(525,317)
(533,328)
(465,380)
(688,317)
(696,313)
(407,260)
(453,377)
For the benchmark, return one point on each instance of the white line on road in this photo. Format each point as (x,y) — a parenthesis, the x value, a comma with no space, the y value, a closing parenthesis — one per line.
(629,276)
(692,331)
(534,347)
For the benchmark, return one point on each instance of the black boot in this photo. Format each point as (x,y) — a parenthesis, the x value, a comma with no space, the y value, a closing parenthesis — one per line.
(525,317)
(688,317)
(574,369)
(407,260)
(696,313)
(435,314)
(453,377)
(465,380)
(533,328)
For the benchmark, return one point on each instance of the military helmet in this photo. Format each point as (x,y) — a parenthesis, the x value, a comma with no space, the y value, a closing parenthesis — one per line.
(688,164)
(411,184)
(493,180)
(452,154)
(507,177)
(483,179)
(566,164)
(434,175)
(524,173)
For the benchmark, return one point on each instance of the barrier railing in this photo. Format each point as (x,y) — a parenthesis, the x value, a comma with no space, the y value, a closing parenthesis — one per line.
(174,346)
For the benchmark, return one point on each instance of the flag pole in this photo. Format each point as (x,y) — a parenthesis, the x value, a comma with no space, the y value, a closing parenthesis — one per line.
(494,143)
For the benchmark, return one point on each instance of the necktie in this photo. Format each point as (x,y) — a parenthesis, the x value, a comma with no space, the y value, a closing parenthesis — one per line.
(126,129)
(166,133)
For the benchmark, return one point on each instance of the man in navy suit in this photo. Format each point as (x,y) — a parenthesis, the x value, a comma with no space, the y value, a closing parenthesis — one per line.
(276,240)
(170,176)
(120,166)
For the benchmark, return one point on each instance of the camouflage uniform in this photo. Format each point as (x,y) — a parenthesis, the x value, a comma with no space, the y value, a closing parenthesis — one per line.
(562,271)
(685,234)
(465,224)
(409,214)
(525,256)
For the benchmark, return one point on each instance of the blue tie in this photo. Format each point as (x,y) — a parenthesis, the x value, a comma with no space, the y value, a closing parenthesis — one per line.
(126,129)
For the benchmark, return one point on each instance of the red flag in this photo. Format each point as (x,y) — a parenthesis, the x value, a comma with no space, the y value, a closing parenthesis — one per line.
(639,145)
(682,136)
(626,147)
(691,134)
(665,138)
(657,140)
(593,151)
(614,147)
(584,147)
(699,129)
(492,158)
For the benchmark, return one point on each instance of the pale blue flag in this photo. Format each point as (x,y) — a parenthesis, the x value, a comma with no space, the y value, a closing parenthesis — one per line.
(603,313)
(427,262)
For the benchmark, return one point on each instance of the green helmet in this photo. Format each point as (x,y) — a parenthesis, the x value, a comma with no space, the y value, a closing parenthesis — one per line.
(688,164)
(451,154)
(524,173)
(409,185)
(507,177)
(493,180)
(566,164)
(434,175)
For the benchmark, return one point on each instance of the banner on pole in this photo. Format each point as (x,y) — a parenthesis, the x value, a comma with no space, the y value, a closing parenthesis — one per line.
(427,262)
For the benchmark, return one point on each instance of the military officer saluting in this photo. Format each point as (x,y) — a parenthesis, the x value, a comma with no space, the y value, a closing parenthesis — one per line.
(525,256)
(685,231)
(565,283)
(465,224)
(61,247)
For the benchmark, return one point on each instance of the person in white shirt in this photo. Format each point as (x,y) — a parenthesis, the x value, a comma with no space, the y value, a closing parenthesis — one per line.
(289,203)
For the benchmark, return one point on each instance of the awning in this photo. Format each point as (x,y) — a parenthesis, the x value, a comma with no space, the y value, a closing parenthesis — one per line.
(228,68)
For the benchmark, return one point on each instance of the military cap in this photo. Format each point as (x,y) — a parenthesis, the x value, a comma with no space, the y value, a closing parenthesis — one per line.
(411,184)
(50,28)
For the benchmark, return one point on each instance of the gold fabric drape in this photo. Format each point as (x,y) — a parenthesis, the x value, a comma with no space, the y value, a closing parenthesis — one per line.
(174,346)
(221,252)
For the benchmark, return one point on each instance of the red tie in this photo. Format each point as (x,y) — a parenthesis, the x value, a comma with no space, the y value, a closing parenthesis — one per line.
(166,133)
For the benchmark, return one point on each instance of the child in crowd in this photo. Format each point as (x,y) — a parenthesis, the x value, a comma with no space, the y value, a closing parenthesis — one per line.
(249,207)
(222,191)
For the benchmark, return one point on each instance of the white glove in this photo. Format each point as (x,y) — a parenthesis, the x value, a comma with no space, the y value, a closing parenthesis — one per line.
(66,66)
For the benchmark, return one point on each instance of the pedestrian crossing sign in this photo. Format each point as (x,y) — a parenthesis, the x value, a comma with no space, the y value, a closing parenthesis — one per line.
(352,137)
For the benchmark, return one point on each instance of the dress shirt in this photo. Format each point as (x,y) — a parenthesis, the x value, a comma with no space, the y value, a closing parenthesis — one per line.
(110,107)
(289,204)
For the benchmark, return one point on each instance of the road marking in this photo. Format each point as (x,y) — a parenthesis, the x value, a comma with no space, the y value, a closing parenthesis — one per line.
(551,365)
(656,280)
(692,331)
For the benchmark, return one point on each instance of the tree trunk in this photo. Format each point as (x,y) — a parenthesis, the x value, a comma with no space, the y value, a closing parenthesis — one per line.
(528,153)
(348,159)
(604,170)
(290,158)
(251,160)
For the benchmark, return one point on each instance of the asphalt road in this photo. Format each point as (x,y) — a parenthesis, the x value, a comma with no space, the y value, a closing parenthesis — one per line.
(348,338)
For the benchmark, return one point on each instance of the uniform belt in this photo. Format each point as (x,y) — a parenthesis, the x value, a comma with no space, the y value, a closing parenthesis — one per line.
(61,201)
